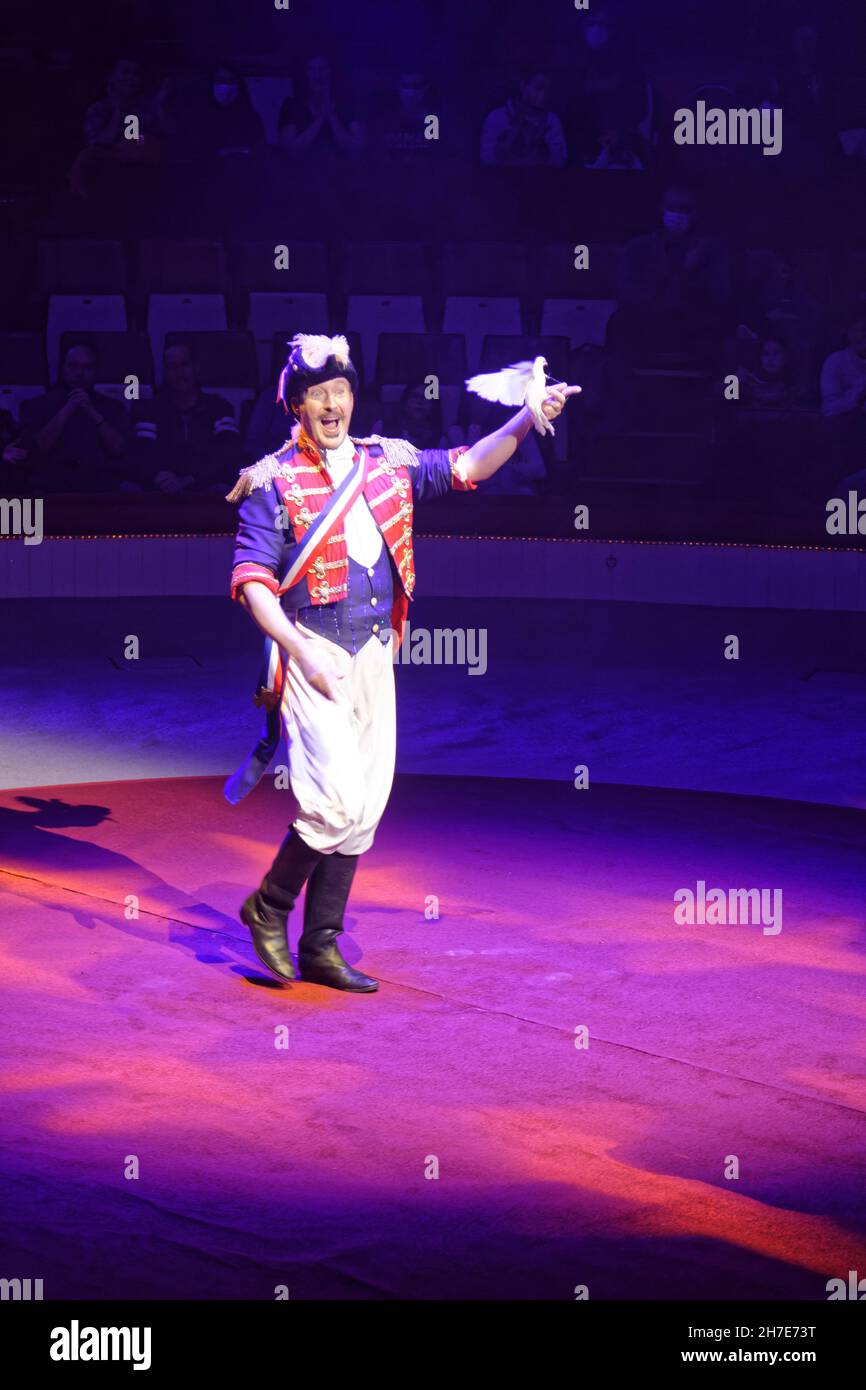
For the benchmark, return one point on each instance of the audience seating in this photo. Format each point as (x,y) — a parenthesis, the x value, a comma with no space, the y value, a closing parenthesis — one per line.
(83,314)
(181,267)
(579,320)
(307,313)
(70,266)
(182,313)
(369,315)
(476,318)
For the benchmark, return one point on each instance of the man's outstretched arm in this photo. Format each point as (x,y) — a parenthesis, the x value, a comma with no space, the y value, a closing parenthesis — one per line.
(488,454)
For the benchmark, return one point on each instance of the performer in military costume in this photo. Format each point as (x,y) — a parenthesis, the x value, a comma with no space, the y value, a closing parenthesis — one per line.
(324,565)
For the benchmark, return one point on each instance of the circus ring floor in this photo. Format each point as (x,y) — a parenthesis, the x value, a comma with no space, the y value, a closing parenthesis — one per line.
(176,1125)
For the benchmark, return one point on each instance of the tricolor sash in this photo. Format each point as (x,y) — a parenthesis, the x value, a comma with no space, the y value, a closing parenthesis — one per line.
(269,694)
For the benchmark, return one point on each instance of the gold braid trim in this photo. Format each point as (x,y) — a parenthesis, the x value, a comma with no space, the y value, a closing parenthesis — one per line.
(397,453)
(260,474)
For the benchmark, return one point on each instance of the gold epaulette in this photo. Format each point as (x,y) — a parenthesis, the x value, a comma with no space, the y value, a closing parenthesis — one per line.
(262,474)
(397,451)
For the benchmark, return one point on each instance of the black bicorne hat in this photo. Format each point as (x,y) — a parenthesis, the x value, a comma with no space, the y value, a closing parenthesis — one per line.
(314,357)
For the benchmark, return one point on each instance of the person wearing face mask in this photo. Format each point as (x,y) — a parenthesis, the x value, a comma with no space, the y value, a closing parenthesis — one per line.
(675,285)
(232,127)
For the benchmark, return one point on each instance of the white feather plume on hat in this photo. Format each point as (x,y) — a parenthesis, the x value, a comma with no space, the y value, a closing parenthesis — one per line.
(316,348)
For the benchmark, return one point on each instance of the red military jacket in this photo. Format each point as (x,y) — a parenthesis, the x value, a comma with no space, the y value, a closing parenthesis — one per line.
(281,495)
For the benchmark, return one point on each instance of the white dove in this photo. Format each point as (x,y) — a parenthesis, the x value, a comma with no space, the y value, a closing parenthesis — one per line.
(523,383)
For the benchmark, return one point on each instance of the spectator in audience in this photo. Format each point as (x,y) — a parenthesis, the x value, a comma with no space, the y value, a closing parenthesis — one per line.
(609,93)
(771,448)
(525,131)
(770,389)
(316,120)
(675,286)
(186,439)
(843,400)
(616,150)
(9,439)
(106,124)
(843,375)
(786,305)
(14,458)
(78,436)
(402,124)
(228,125)
(418,418)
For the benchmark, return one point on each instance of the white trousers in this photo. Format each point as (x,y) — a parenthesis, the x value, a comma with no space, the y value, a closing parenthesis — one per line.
(342,752)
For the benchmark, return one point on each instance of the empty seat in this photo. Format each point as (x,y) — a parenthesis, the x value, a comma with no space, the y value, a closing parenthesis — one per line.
(269,313)
(182,313)
(383,267)
(405,357)
(555,274)
(189,267)
(255,266)
(579,320)
(81,313)
(484,268)
(72,266)
(475,318)
(23,369)
(267,95)
(665,400)
(501,349)
(369,315)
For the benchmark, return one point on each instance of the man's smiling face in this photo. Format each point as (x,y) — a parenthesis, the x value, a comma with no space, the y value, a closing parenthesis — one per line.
(326,410)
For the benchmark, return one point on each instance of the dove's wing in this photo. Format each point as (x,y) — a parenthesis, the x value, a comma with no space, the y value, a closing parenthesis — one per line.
(508,386)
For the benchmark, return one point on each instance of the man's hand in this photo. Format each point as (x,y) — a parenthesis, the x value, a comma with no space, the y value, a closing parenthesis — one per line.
(319,671)
(554,404)
(78,400)
(169,482)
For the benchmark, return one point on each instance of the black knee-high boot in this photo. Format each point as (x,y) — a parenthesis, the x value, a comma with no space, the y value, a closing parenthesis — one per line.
(266,911)
(319,957)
